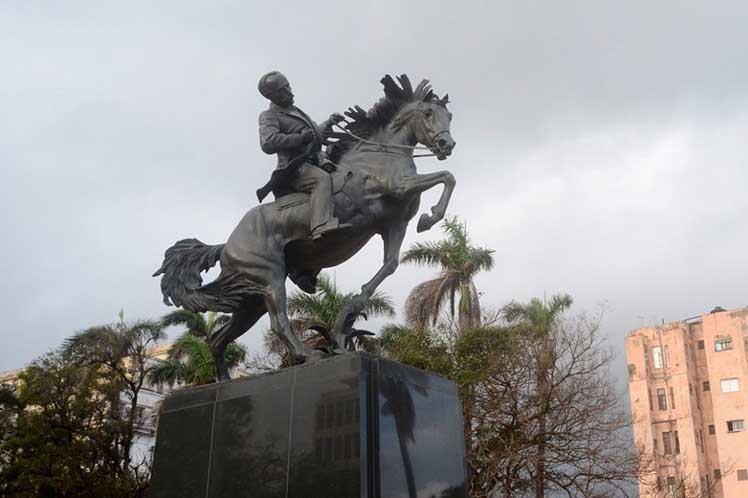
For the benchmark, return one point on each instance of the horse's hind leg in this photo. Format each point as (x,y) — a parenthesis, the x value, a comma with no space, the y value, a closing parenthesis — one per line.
(276,306)
(241,321)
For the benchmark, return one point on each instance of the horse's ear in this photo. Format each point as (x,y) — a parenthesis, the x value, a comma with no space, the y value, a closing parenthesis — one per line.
(444,100)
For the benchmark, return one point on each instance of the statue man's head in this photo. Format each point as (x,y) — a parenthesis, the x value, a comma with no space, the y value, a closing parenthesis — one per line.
(275,87)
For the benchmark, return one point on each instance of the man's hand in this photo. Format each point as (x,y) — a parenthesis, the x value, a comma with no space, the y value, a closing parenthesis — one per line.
(308,136)
(336,117)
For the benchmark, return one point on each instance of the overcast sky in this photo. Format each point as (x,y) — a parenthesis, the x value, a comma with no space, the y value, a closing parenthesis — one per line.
(601,146)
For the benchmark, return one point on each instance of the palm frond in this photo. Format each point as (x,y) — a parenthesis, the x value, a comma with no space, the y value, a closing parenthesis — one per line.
(217,323)
(559,303)
(170,372)
(235,354)
(450,283)
(143,333)
(380,304)
(455,231)
(480,259)
(92,340)
(424,253)
(194,322)
(537,314)
(421,303)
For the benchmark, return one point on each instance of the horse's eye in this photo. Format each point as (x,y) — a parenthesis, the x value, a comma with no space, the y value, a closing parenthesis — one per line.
(428,113)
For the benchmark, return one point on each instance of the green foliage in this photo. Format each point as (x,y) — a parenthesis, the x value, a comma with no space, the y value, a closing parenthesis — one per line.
(417,347)
(458,262)
(322,308)
(65,440)
(313,316)
(190,360)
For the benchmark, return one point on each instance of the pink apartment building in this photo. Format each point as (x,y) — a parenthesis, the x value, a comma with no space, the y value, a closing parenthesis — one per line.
(688,383)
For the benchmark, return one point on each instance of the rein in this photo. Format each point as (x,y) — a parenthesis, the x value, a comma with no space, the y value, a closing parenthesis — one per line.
(363,140)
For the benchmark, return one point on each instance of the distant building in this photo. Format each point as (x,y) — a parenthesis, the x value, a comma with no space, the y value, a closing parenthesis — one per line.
(688,383)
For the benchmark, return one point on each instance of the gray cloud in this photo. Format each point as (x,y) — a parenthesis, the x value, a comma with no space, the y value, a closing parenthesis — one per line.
(600,146)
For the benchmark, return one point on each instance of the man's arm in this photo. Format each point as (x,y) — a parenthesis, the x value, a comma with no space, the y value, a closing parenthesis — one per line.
(271,138)
(326,125)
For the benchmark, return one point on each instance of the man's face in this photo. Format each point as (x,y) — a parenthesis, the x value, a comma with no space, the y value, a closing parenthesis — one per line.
(283,95)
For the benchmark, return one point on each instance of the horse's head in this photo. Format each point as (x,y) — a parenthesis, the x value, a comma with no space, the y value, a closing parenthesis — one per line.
(418,112)
(430,124)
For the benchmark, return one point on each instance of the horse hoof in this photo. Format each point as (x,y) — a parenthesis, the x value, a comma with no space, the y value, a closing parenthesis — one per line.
(424,223)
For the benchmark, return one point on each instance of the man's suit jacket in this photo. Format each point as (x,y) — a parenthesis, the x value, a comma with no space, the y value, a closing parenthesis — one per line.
(281,133)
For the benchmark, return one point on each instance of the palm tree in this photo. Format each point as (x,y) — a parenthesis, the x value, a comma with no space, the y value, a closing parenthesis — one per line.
(458,262)
(313,317)
(124,350)
(190,360)
(539,319)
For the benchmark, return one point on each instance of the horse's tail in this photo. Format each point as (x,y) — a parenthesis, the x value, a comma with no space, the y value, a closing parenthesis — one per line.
(181,281)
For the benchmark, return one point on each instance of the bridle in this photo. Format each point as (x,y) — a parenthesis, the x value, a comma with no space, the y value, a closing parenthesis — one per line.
(399,146)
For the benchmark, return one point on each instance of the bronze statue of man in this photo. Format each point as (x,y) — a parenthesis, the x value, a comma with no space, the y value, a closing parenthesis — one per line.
(287,131)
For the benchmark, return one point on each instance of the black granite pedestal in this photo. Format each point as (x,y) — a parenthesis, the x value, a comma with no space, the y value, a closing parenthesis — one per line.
(350,426)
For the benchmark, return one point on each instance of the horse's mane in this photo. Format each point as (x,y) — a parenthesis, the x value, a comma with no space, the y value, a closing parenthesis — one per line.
(366,124)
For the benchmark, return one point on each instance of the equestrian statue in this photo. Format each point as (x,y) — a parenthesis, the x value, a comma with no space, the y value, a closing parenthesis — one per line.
(328,204)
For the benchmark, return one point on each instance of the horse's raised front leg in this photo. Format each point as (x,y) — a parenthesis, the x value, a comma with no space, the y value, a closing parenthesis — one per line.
(420,183)
(393,240)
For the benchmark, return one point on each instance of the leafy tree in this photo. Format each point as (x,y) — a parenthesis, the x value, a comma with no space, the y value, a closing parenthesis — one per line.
(458,262)
(313,317)
(190,360)
(10,408)
(65,442)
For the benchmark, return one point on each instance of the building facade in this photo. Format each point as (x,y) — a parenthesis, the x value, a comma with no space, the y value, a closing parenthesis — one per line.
(688,385)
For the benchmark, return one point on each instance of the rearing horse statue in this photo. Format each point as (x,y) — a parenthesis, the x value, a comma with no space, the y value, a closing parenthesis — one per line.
(377,190)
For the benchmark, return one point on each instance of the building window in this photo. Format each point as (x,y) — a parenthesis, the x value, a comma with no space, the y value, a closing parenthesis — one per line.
(666,357)
(706,386)
(717,474)
(651,406)
(657,356)
(723,344)
(672,399)
(667,443)
(742,474)
(735,425)
(700,344)
(667,447)
(671,487)
(730,385)
(661,399)
(712,431)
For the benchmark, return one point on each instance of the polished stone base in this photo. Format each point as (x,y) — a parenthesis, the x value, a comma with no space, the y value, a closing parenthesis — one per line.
(351,426)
